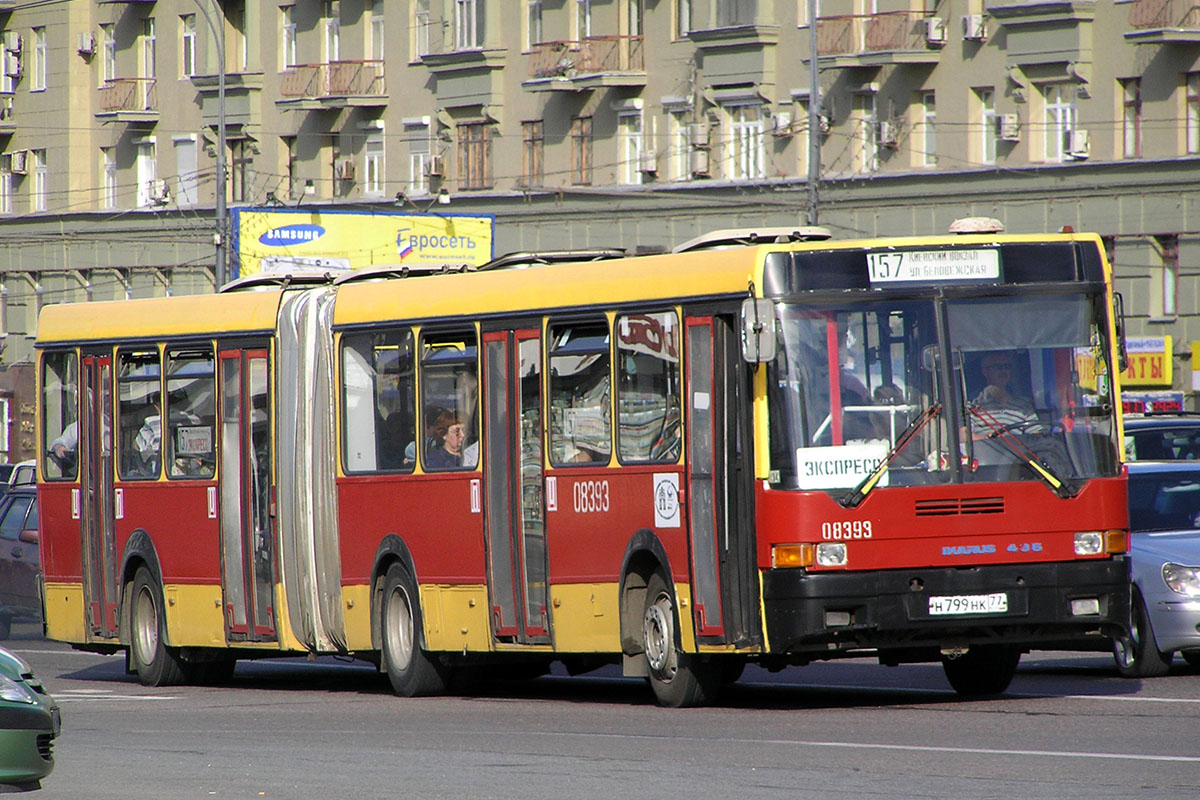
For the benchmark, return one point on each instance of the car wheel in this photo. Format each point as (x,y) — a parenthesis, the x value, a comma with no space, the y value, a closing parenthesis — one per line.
(411,670)
(678,679)
(1139,656)
(156,664)
(985,669)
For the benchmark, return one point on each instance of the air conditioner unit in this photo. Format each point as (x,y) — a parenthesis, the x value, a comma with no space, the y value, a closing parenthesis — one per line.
(935,30)
(973,28)
(698,134)
(158,191)
(1077,144)
(824,123)
(888,135)
(12,65)
(345,170)
(648,162)
(435,167)
(699,165)
(12,41)
(781,123)
(1009,129)
(86,45)
(18,162)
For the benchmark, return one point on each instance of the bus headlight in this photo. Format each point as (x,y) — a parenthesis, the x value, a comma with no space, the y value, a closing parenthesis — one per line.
(1089,543)
(1182,580)
(831,554)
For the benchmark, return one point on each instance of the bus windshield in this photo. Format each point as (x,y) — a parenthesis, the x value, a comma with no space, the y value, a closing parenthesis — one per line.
(1025,394)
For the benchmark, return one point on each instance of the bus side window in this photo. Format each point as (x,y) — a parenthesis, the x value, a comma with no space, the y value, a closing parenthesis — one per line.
(60,410)
(191,411)
(580,430)
(449,401)
(648,387)
(139,420)
(378,402)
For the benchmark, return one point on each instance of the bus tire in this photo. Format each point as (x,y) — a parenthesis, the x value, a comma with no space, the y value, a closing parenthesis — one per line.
(155,663)
(985,669)
(411,670)
(1138,656)
(679,679)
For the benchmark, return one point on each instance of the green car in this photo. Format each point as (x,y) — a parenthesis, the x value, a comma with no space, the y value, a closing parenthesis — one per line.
(29,723)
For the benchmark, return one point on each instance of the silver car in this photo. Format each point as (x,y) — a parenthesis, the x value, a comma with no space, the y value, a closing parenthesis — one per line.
(1164,521)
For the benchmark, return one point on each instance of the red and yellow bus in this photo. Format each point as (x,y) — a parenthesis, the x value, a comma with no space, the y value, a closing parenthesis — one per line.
(757,449)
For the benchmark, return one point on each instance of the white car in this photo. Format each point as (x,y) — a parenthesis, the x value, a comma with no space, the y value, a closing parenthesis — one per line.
(1164,522)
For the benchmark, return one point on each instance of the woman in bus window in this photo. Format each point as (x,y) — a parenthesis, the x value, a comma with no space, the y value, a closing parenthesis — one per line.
(448,435)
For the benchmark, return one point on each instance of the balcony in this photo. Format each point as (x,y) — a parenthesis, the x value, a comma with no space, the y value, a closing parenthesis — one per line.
(336,84)
(588,64)
(129,100)
(1164,22)
(875,40)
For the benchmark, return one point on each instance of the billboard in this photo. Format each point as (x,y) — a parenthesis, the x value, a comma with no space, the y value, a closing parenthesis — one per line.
(279,238)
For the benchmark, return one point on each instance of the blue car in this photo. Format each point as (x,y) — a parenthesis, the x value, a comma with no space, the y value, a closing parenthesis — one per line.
(1164,521)
(29,724)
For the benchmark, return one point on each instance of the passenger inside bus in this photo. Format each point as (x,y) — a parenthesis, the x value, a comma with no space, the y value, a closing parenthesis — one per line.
(1001,406)
(448,435)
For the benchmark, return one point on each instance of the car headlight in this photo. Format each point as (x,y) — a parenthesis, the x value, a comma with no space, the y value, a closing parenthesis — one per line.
(1182,580)
(14,692)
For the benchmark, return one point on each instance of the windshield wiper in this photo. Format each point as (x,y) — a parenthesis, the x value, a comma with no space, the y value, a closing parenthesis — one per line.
(1040,468)
(859,493)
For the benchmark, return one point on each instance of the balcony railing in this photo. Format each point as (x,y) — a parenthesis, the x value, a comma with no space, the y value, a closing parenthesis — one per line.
(887,31)
(129,94)
(334,79)
(596,54)
(1159,14)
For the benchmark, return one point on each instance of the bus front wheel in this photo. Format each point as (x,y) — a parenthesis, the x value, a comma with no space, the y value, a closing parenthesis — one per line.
(156,664)
(679,679)
(411,670)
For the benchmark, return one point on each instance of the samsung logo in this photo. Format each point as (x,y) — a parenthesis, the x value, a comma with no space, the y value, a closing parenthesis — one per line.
(292,234)
(969,550)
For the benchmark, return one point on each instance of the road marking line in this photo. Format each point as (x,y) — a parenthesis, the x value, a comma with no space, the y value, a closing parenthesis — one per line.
(1006,695)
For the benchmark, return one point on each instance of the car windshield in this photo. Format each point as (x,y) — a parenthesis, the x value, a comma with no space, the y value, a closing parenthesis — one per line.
(1164,501)
(1025,393)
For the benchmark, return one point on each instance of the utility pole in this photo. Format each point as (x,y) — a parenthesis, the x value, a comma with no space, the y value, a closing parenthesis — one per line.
(220,239)
(814,117)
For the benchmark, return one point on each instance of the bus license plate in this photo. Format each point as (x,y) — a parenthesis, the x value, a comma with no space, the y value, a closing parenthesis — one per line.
(969,604)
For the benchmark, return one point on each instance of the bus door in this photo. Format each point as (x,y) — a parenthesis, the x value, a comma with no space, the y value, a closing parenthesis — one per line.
(719,533)
(97,495)
(248,553)
(516,523)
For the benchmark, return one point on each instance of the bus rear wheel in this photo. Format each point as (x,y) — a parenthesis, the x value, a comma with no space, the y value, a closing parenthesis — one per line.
(678,679)
(156,664)
(411,670)
(985,669)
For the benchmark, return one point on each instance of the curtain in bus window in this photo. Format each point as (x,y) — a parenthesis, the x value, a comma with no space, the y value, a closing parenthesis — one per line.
(307,493)
(648,387)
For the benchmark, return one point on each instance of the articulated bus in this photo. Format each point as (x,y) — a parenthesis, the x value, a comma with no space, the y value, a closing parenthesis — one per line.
(767,449)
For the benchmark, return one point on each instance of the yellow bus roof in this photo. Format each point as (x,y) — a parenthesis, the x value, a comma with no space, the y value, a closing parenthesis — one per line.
(156,318)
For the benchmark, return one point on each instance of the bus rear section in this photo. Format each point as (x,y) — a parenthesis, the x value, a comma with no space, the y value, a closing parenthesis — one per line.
(941,478)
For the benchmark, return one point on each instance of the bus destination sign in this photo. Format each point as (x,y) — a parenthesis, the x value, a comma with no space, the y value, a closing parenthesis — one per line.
(910,266)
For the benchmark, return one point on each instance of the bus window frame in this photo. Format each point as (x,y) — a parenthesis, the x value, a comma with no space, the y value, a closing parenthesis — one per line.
(446,335)
(553,327)
(120,451)
(166,445)
(346,340)
(617,371)
(73,355)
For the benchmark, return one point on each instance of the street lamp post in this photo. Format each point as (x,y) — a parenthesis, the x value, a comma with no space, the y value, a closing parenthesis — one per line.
(814,116)
(219,213)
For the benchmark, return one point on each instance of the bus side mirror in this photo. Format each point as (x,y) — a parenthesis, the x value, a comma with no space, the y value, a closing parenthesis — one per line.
(1122,351)
(758,331)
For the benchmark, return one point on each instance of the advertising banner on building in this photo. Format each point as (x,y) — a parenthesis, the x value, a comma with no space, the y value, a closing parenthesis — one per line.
(1149,361)
(274,239)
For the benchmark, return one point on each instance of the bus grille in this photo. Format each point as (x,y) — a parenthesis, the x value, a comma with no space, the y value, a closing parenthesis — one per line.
(953,506)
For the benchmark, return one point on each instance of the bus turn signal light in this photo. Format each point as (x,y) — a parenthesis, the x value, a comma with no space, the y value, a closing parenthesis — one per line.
(1116,542)
(792,555)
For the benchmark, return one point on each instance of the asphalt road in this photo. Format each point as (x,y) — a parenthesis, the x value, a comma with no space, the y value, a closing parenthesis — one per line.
(1068,728)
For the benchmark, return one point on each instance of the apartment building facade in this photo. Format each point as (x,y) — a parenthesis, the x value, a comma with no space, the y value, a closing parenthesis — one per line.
(581,123)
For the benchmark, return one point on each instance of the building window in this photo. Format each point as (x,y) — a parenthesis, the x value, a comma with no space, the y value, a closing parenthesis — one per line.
(417,135)
(866,129)
(581,151)
(468,24)
(41,179)
(583,19)
(377,39)
(474,155)
(735,12)
(1131,117)
(240,161)
(8,82)
(149,50)
(1059,120)
(988,124)
(420,28)
(374,174)
(108,53)
(631,143)
(1164,302)
(800,127)
(746,149)
(533,142)
(680,148)
(333,32)
(683,18)
(928,155)
(187,181)
(287,162)
(533,23)
(237,43)
(1192,100)
(147,173)
(187,45)
(6,183)
(287,47)
(108,196)
(637,15)
(38,68)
